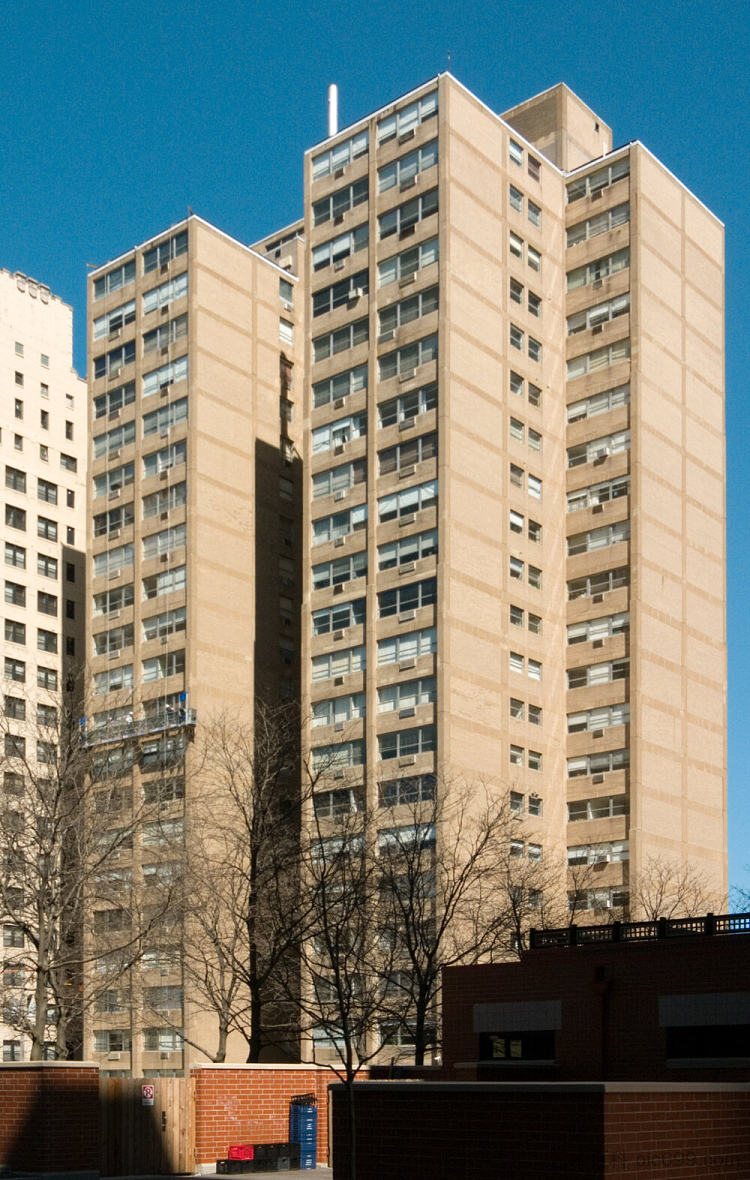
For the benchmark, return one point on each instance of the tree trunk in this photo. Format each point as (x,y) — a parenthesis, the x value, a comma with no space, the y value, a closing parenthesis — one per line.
(255,1043)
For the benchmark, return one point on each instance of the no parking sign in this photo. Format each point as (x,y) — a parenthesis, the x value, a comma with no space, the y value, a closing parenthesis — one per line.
(147,1095)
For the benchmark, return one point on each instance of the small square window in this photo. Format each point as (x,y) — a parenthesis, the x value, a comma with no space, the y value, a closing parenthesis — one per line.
(516,709)
(535,168)
(516,802)
(44,390)
(516,616)
(69,430)
(44,360)
(516,755)
(70,535)
(516,291)
(534,258)
(44,419)
(44,453)
(534,760)
(516,199)
(535,624)
(19,348)
(18,408)
(535,805)
(534,213)
(535,714)
(19,378)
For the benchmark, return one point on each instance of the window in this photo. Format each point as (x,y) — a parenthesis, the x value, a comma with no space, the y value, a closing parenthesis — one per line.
(349,336)
(599,493)
(535,622)
(348,290)
(337,249)
(534,760)
(604,807)
(336,710)
(407,454)
(405,121)
(515,151)
(15,479)
(338,617)
(15,707)
(404,362)
(596,272)
(535,531)
(339,155)
(595,182)
(603,673)
(516,568)
(339,386)
(339,571)
(114,320)
(403,649)
(163,542)
(286,331)
(109,364)
(339,755)
(46,678)
(534,304)
(46,715)
(533,258)
(114,440)
(599,449)
(534,168)
(114,279)
(46,603)
(46,566)
(404,170)
(15,670)
(160,667)
(15,518)
(404,219)
(515,198)
(166,375)
(165,251)
(165,334)
(516,756)
(335,205)
(113,560)
(339,479)
(168,623)
(599,403)
(600,538)
(163,460)
(157,584)
(600,718)
(19,381)
(534,213)
(598,315)
(408,263)
(340,524)
(114,679)
(534,486)
(405,311)
(46,528)
(534,669)
(601,583)
(14,746)
(68,462)
(114,640)
(407,742)
(601,628)
(165,293)
(46,640)
(407,695)
(47,491)
(408,501)
(338,664)
(15,594)
(15,555)
(535,349)
(407,598)
(407,549)
(535,715)
(165,417)
(515,245)
(615,851)
(599,224)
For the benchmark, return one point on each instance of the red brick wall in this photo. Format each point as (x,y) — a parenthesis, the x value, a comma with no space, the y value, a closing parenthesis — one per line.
(609,995)
(49,1116)
(409,1131)
(250,1104)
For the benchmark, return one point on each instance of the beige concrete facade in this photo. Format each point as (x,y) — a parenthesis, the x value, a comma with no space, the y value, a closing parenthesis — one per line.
(193,441)
(43,444)
(556,312)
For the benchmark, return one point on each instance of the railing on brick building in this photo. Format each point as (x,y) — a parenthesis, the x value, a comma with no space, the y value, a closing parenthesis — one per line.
(124,728)
(573,935)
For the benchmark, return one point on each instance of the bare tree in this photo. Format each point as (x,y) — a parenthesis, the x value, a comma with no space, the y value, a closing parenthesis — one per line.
(242,877)
(61,852)
(460,882)
(667,888)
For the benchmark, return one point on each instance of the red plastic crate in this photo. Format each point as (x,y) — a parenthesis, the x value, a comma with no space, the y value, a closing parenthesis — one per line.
(241,1151)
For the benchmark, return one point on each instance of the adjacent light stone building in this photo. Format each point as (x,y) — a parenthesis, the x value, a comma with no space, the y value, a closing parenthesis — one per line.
(43,445)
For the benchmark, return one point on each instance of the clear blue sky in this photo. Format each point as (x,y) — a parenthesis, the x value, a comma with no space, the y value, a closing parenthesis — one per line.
(119,116)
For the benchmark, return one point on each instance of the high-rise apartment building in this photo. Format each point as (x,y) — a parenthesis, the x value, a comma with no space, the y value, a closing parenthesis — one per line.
(514,520)
(43,443)
(194,485)
(504,342)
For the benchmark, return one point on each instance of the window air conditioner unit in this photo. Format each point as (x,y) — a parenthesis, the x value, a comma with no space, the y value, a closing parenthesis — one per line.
(164,1055)
(359,293)
(114,454)
(113,414)
(114,373)
(597,508)
(164,310)
(114,534)
(114,494)
(339,403)
(598,778)
(407,616)
(164,516)
(113,1057)
(408,183)
(287,305)
(113,655)
(339,264)
(340,494)
(338,774)
(601,455)
(409,518)
(164,557)
(338,449)
(164,432)
(338,635)
(339,589)
(164,474)
(339,542)
(405,665)
(409,760)
(409,712)
(115,334)
(408,567)
(596,329)
(164,267)
(406,423)
(596,196)
(407,135)
(407,231)
(115,574)
(338,174)
(164,972)
(598,643)
(597,598)
(407,280)
(598,733)
(338,219)
(384,337)
(407,374)
(597,284)
(164,350)
(338,680)
(113,614)
(405,472)
(339,727)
